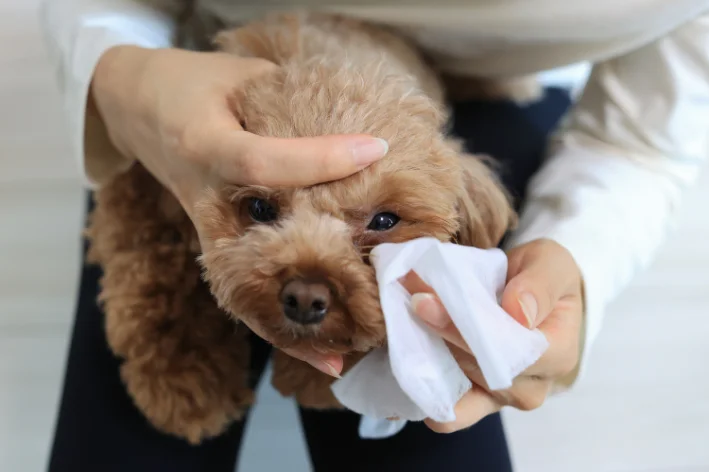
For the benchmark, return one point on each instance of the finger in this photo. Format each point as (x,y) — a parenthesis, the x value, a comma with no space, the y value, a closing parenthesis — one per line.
(468,364)
(475,405)
(430,309)
(527,393)
(245,158)
(424,301)
(414,284)
(530,390)
(545,274)
(562,328)
(327,364)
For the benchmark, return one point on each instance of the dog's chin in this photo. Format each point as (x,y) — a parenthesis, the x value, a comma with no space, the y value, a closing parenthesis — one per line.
(314,336)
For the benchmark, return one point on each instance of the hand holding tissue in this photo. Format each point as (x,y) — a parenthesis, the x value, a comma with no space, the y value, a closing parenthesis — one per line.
(415,376)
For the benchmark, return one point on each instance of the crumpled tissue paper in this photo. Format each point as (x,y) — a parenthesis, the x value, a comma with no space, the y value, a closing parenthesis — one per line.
(415,376)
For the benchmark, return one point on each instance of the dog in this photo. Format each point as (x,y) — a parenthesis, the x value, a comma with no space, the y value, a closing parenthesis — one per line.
(292,264)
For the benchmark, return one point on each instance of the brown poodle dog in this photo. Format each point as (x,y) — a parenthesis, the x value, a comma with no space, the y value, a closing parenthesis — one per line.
(290,263)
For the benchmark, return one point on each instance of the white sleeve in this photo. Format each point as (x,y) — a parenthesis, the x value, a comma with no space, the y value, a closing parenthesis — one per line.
(77,33)
(614,180)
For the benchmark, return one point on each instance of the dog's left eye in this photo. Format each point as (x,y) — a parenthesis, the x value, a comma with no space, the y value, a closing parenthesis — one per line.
(262,211)
(383,222)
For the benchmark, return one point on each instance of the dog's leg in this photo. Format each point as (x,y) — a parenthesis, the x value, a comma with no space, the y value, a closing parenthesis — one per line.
(185,362)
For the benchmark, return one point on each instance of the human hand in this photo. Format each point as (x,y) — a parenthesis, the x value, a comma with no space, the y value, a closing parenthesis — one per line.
(543,290)
(169,109)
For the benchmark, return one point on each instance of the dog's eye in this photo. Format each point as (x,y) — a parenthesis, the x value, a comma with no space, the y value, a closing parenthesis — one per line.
(383,222)
(262,211)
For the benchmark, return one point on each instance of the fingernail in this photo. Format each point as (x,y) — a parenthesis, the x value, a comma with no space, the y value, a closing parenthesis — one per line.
(427,307)
(529,307)
(326,368)
(370,150)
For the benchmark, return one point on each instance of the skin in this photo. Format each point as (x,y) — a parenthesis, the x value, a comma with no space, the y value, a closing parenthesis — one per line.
(544,290)
(169,109)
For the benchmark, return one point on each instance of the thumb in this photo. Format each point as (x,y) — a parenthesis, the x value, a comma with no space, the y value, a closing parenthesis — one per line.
(543,278)
(296,162)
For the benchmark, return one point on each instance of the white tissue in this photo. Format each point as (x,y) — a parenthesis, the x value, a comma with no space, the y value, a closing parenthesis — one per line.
(415,376)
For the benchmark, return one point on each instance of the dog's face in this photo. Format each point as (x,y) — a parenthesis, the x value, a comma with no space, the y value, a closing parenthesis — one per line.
(293,263)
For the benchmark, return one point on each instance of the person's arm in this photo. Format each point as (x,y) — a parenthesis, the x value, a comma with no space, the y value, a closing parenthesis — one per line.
(121,79)
(77,33)
(614,181)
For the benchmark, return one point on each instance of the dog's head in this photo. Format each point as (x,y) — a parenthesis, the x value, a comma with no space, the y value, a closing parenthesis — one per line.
(293,263)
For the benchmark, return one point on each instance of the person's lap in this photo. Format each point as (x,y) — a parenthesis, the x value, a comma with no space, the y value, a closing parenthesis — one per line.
(98,428)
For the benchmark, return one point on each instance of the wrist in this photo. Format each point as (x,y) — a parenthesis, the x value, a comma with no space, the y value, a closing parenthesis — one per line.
(118,75)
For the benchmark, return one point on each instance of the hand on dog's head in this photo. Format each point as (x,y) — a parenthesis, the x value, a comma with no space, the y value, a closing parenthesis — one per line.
(293,263)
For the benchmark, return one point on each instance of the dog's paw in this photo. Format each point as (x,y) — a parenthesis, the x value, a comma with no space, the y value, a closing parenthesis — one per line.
(187,403)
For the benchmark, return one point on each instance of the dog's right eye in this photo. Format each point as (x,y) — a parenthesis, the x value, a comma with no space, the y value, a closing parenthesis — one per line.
(261,210)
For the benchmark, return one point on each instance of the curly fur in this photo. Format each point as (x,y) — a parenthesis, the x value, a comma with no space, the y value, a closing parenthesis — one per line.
(185,363)
(185,356)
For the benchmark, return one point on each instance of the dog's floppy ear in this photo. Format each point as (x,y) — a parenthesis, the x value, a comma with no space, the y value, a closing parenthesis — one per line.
(485,209)
(262,40)
(425,109)
(244,42)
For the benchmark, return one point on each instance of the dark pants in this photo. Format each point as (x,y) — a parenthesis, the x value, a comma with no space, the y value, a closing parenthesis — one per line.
(99,429)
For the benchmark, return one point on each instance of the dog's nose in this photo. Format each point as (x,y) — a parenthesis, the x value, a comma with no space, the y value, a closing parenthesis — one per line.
(305,302)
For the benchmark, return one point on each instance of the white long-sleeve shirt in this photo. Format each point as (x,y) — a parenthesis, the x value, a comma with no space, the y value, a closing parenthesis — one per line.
(617,168)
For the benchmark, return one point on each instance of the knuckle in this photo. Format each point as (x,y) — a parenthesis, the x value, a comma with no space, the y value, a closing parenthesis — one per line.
(253,171)
(567,356)
(568,362)
(332,152)
(265,67)
(531,398)
(546,300)
(257,65)
(323,169)
(530,402)
(190,142)
(546,246)
(330,161)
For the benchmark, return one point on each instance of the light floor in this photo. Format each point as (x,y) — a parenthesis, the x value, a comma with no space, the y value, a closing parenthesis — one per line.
(644,405)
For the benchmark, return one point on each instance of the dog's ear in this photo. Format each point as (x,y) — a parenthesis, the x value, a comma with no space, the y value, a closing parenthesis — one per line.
(274,42)
(484,207)
(425,109)
(243,42)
